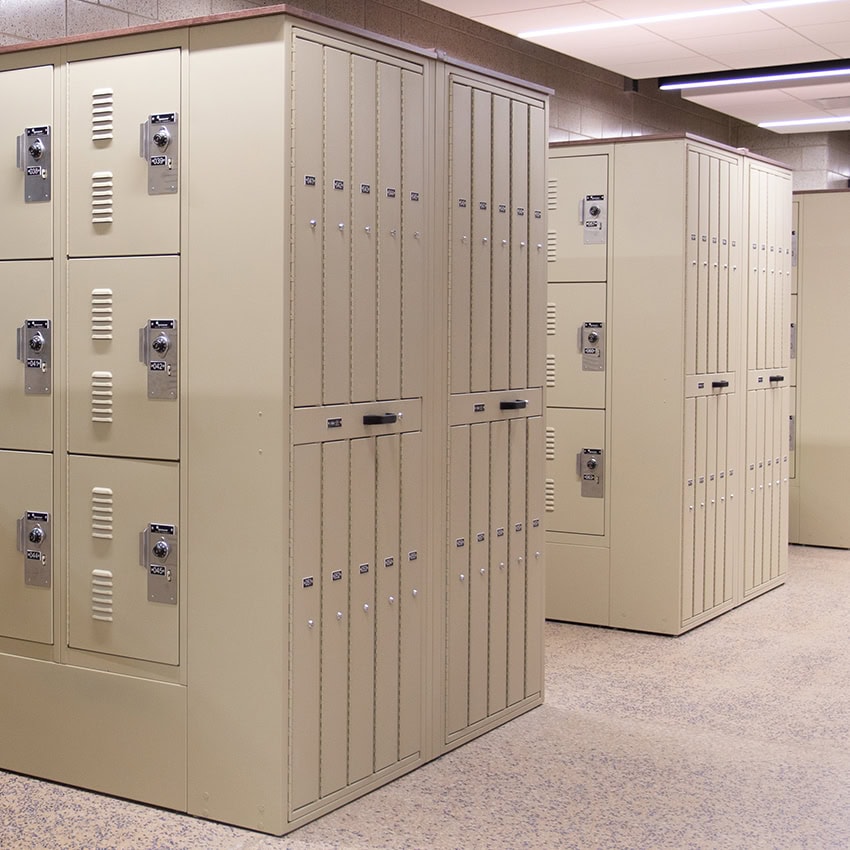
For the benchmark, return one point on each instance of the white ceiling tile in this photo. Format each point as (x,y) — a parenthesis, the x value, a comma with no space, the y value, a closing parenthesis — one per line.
(637,53)
(814,13)
(745,58)
(646,8)
(826,33)
(572,15)
(474,8)
(669,67)
(745,42)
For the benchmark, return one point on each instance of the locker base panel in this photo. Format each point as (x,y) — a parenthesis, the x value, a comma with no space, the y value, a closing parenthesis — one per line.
(764,588)
(470,733)
(102,731)
(578,583)
(793,512)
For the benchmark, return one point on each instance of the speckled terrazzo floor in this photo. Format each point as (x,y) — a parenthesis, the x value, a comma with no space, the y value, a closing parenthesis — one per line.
(736,735)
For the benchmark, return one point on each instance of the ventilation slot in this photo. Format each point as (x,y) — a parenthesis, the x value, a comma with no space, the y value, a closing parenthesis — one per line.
(550,495)
(101,314)
(101,197)
(102,504)
(101,397)
(101,595)
(102,111)
(552,194)
(550,444)
(550,370)
(552,247)
(551,319)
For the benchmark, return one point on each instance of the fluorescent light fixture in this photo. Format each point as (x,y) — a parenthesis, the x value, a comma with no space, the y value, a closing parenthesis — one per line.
(754,76)
(674,16)
(802,122)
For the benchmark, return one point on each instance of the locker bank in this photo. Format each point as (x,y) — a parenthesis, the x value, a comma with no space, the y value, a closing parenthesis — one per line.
(275,420)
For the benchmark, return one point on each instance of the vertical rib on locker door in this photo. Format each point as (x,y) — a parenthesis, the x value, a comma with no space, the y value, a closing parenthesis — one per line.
(460,287)
(752,266)
(773,281)
(110,210)
(519,246)
(517,583)
(308,223)
(336,337)
(692,272)
(701,502)
(537,247)
(778,450)
(389,231)
(479,577)
(305,648)
(387,585)
(712,414)
(481,204)
(689,507)
(27,98)
(534,577)
(714,264)
(501,223)
(26,595)
(334,623)
(726,301)
(361,685)
(26,292)
(457,578)
(719,470)
(499,488)
(414,562)
(703,284)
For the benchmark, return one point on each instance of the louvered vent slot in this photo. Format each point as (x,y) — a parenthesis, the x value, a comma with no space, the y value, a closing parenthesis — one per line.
(101,197)
(102,113)
(550,444)
(551,319)
(550,494)
(102,506)
(550,370)
(552,246)
(101,595)
(552,194)
(101,396)
(101,314)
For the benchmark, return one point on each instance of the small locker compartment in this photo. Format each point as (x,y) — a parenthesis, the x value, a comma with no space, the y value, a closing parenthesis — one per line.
(26,183)
(124,357)
(26,547)
(124,577)
(27,367)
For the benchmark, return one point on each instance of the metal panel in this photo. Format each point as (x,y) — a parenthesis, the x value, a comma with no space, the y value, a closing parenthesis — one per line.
(26,606)
(689,511)
(713,430)
(535,579)
(519,245)
(501,224)
(109,408)
(499,530)
(111,502)
(703,284)
(692,273)
(537,246)
(700,520)
(713,264)
(479,573)
(110,210)
(27,98)
(726,300)
(26,292)
(517,568)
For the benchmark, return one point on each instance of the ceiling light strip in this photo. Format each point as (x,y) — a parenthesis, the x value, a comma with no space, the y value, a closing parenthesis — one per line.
(802,122)
(781,75)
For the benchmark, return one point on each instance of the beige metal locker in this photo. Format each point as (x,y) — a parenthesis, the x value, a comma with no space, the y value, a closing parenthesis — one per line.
(27,547)
(28,368)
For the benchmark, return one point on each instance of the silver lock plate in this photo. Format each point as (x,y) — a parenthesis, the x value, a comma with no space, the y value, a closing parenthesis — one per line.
(594,219)
(593,347)
(591,471)
(34,544)
(159,350)
(159,556)
(34,159)
(159,148)
(793,340)
(34,351)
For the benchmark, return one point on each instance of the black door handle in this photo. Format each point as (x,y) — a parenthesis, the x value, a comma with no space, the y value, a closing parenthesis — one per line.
(775,379)
(719,384)
(517,404)
(380,418)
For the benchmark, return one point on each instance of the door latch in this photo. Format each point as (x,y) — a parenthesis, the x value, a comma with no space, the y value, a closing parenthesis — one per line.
(591,472)
(34,544)
(158,146)
(158,350)
(159,555)
(34,340)
(34,159)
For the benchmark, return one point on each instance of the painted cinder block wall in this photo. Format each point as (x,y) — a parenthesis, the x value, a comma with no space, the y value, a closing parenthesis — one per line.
(588,103)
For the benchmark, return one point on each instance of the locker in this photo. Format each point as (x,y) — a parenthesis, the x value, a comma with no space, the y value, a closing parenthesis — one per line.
(577,253)
(576,324)
(535,575)
(112,211)
(499,572)
(124,591)
(517,566)
(27,547)
(501,272)
(27,98)
(519,245)
(26,380)
(124,357)
(537,260)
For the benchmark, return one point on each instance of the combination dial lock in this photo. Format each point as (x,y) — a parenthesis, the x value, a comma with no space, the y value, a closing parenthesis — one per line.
(36,149)
(161,344)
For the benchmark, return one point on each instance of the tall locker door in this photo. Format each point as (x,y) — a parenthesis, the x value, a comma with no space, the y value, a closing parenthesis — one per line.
(123,559)
(123,357)
(499,489)
(26,198)
(577,239)
(26,547)
(783,476)
(500,322)
(119,202)
(517,567)
(721,577)
(537,246)
(28,362)
(519,246)
(535,575)
(575,329)
(689,509)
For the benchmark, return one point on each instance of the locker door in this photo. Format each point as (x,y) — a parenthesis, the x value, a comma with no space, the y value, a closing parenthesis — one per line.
(692,272)
(784,476)
(703,279)
(778,451)
(575,504)
(27,98)
(751,488)
(26,549)
(501,223)
(700,509)
(711,500)
(26,292)
(117,605)
(457,648)
(724,364)
(519,246)
(576,253)
(110,209)
(388,587)
(537,246)
(517,567)
(498,566)
(576,379)
(719,527)
(334,623)
(118,405)
(713,264)
(689,511)
(735,478)
(305,628)
(535,575)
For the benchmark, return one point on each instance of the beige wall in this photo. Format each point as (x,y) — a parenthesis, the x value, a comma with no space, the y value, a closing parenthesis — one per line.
(588,102)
